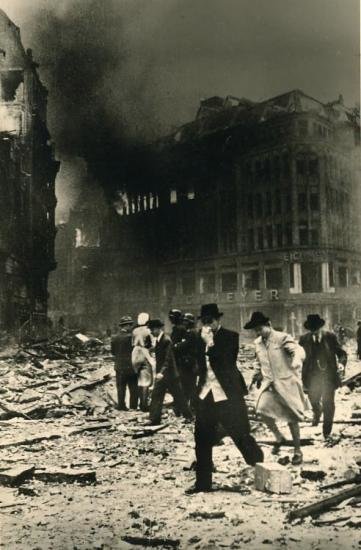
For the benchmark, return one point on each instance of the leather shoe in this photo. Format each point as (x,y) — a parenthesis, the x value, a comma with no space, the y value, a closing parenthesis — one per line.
(297,458)
(194,490)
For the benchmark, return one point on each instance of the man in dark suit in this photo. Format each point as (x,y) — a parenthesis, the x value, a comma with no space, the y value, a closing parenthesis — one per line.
(320,370)
(121,348)
(221,391)
(167,375)
(186,357)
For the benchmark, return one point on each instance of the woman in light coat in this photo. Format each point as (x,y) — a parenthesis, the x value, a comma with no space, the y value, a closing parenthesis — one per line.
(278,377)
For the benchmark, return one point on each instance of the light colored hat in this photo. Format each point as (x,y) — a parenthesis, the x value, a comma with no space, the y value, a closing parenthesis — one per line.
(143,318)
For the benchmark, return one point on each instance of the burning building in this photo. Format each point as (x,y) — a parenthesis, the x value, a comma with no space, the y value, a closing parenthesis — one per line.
(28,171)
(251,205)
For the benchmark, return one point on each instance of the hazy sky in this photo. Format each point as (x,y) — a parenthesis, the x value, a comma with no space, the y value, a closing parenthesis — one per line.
(167,54)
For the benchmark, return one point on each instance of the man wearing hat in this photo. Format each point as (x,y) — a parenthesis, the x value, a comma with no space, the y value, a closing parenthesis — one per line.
(320,370)
(121,348)
(358,339)
(221,391)
(281,395)
(167,376)
(186,357)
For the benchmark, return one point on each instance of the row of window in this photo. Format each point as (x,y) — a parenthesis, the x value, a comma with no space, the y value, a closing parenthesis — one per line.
(277,236)
(269,204)
(304,277)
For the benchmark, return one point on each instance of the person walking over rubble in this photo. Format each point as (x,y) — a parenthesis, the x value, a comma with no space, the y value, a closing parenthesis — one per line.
(358,339)
(220,400)
(320,370)
(126,377)
(142,361)
(186,357)
(167,375)
(278,377)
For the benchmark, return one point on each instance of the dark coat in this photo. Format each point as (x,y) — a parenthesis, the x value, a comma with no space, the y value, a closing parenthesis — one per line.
(223,360)
(164,357)
(329,351)
(186,351)
(121,348)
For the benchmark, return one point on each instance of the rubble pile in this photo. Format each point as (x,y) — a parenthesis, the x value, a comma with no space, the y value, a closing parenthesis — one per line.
(82,474)
(55,379)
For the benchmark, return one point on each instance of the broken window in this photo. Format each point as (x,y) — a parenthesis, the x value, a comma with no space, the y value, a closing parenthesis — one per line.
(277,202)
(301,166)
(10,82)
(274,278)
(303,234)
(251,279)
(229,281)
(343,276)
(208,283)
(302,202)
(311,277)
(315,202)
(269,236)
(331,276)
(313,167)
(188,283)
(170,285)
(250,206)
(268,204)
(288,233)
(279,235)
(251,239)
(314,236)
(303,128)
(259,209)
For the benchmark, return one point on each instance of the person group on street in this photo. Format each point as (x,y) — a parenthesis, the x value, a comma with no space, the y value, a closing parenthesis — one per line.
(198,367)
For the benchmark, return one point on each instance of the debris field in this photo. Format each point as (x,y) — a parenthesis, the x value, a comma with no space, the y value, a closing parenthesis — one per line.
(75,473)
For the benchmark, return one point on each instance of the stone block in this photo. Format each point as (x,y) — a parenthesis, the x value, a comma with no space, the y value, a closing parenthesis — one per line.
(272,477)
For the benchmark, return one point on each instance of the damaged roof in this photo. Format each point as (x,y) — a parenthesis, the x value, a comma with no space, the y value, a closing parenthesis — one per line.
(219,114)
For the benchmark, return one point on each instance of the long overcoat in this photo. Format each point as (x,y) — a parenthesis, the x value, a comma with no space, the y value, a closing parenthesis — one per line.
(276,358)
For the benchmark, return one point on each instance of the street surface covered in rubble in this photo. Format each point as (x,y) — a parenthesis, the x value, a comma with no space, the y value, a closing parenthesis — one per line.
(99,479)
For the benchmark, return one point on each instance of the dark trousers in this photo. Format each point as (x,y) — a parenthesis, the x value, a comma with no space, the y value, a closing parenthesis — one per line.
(359,349)
(171,385)
(322,390)
(233,416)
(124,380)
(188,380)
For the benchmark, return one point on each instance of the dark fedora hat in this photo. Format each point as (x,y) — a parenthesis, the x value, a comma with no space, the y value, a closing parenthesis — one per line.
(314,322)
(155,323)
(257,320)
(210,310)
(126,320)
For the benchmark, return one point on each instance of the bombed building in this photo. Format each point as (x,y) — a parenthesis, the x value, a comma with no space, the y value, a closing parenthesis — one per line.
(28,171)
(252,205)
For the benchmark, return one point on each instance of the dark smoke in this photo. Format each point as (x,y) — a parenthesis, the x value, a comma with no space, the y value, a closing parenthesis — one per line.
(102,105)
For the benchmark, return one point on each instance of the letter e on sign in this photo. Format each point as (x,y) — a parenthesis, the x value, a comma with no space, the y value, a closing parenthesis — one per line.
(274,295)
(258,295)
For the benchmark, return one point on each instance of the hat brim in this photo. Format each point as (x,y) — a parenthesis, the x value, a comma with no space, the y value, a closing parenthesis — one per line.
(254,324)
(315,325)
(219,314)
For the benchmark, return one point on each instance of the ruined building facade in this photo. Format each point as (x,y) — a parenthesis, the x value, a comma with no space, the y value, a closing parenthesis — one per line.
(28,171)
(251,205)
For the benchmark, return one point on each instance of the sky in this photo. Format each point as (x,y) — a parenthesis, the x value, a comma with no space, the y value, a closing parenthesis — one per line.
(143,65)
